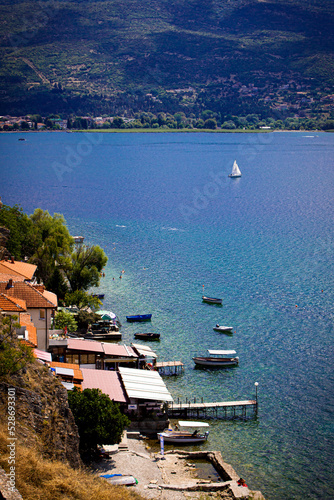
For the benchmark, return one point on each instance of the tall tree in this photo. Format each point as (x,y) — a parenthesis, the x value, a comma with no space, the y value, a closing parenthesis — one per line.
(20,237)
(52,243)
(83,268)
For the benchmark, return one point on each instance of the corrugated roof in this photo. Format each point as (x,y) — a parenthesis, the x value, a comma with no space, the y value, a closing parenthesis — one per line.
(45,356)
(107,381)
(118,350)
(84,345)
(144,384)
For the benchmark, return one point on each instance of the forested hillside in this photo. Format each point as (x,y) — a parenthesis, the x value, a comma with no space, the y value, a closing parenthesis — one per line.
(126,56)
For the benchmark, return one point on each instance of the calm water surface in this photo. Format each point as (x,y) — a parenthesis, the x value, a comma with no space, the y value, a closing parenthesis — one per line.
(164,210)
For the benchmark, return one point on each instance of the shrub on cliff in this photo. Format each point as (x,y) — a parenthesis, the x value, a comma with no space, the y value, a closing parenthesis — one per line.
(98,418)
(13,354)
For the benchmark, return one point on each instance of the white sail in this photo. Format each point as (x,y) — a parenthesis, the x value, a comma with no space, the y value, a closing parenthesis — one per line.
(235,170)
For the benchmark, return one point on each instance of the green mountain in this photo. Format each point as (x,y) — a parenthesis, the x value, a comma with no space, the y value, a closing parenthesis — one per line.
(272,57)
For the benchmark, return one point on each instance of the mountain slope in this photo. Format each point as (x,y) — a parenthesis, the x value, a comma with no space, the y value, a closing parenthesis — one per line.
(61,55)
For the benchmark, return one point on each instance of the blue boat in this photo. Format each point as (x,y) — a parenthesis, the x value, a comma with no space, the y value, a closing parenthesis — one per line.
(139,317)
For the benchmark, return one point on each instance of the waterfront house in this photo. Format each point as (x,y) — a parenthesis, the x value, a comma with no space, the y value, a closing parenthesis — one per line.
(40,305)
(92,354)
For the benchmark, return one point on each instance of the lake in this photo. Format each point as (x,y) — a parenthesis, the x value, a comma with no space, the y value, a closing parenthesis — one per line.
(165,211)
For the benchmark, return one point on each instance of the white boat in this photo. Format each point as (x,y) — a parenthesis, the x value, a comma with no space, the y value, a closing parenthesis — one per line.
(235,170)
(183,436)
(120,479)
(220,359)
(223,329)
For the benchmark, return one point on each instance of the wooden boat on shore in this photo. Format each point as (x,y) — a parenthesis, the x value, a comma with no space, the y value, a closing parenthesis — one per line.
(223,329)
(139,317)
(120,479)
(217,359)
(147,336)
(212,300)
(185,437)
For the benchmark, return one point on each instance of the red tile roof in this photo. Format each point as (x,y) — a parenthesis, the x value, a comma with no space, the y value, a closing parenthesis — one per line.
(6,277)
(77,372)
(27,292)
(17,268)
(107,381)
(11,304)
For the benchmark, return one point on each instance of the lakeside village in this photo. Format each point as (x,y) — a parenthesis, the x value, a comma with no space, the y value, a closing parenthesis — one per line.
(164,121)
(130,375)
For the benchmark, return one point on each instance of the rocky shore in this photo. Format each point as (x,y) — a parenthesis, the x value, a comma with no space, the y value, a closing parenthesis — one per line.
(174,476)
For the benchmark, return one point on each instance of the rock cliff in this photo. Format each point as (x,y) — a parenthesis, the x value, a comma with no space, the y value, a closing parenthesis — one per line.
(42,415)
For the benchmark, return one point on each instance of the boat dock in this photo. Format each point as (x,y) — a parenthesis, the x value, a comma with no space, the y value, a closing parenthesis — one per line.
(217,410)
(169,367)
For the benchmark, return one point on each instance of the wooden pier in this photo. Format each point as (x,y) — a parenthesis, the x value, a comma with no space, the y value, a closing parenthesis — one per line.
(218,410)
(169,367)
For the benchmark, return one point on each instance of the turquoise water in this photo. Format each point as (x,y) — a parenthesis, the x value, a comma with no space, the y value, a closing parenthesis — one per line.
(165,212)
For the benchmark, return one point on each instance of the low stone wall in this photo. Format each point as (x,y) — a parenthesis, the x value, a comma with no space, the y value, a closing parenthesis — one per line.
(225,470)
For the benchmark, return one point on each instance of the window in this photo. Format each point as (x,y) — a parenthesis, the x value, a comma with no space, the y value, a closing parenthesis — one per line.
(42,314)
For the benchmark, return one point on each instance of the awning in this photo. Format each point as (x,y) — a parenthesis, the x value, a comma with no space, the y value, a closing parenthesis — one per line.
(64,371)
(188,423)
(144,350)
(217,353)
(68,385)
(106,315)
(144,384)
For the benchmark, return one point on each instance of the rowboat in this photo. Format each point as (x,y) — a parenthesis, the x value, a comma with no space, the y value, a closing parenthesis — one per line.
(147,336)
(120,479)
(217,359)
(223,329)
(183,436)
(139,317)
(212,300)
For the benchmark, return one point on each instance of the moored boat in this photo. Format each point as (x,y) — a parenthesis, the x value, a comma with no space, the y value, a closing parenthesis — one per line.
(139,317)
(212,300)
(217,359)
(147,336)
(185,437)
(223,329)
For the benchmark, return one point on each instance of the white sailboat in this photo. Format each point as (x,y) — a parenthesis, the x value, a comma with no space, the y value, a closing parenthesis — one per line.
(235,170)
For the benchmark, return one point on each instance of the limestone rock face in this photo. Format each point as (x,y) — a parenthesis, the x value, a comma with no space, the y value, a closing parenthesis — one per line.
(42,412)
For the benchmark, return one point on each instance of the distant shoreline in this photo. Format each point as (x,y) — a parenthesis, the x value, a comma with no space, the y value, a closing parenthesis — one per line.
(157,130)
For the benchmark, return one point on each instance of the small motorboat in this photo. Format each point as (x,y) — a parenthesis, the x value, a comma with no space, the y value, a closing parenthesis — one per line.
(223,329)
(217,359)
(185,437)
(139,317)
(147,336)
(212,300)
